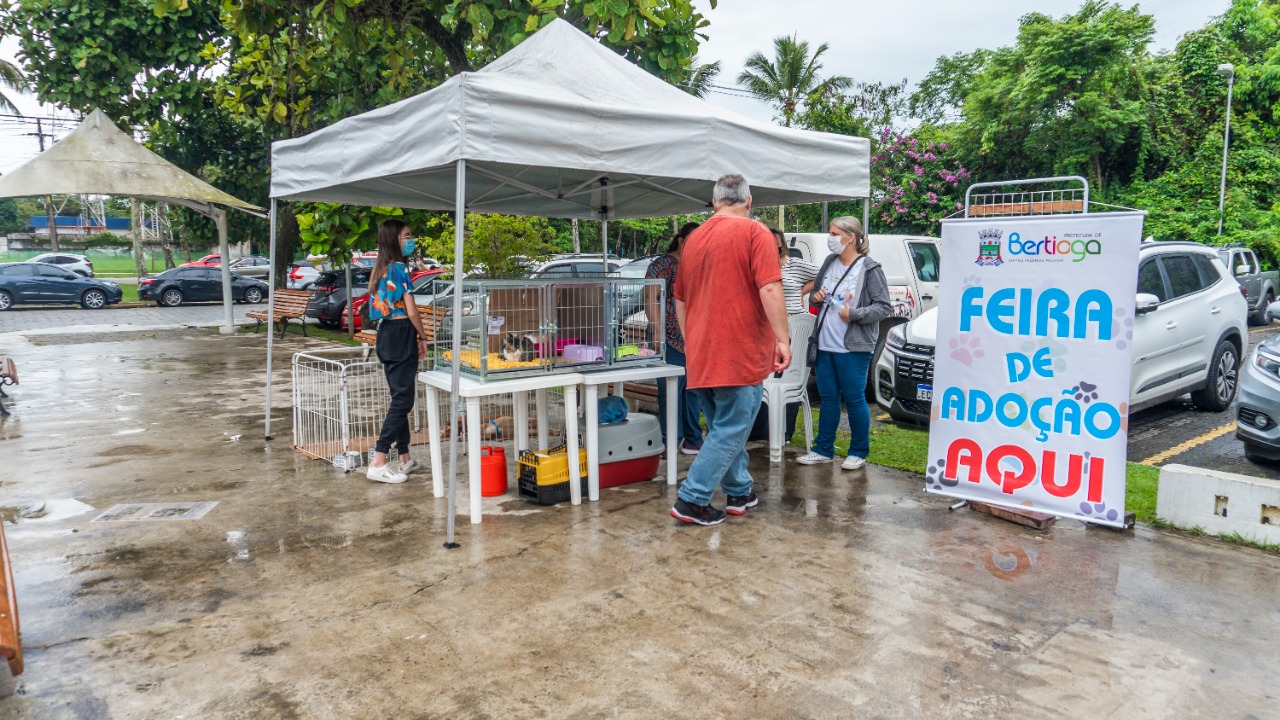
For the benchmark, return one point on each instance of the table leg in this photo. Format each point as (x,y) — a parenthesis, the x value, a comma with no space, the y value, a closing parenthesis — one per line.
(592,432)
(673,430)
(521,435)
(544,421)
(473,456)
(571,431)
(617,389)
(433,435)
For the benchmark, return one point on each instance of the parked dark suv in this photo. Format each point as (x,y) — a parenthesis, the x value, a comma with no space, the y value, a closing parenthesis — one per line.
(329,295)
(193,283)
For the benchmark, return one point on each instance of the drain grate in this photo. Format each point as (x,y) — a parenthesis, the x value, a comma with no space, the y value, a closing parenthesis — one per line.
(156,511)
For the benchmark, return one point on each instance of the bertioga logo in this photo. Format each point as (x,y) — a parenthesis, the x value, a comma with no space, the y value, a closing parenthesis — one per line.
(1076,249)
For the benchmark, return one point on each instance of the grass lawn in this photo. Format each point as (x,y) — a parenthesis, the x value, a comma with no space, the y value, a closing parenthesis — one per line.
(907,448)
(337,336)
(108,265)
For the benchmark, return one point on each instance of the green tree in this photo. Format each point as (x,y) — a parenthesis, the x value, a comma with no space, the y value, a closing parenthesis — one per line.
(499,245)
(698,78)
(1067,98)
(788,79)
(10,220)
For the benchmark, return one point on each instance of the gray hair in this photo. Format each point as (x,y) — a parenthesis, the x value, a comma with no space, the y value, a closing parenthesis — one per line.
(850,225)
(731,190)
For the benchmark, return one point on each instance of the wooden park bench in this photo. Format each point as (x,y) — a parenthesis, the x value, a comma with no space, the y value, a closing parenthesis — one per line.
(642,392)
(289,305)
(10,637)
(432,319)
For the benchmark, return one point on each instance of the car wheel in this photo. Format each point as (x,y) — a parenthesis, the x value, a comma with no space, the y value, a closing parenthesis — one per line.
(329,324)
(6,300)
(253,295)
(93,300)
(1252,455)
(1219,390)
(171,297)
(1259,316)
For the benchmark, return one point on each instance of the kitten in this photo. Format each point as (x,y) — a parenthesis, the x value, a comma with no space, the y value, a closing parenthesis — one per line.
(519,348)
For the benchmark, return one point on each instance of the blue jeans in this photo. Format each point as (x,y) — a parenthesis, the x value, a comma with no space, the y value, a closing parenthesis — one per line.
(689,411)
(843,376)
(730,413)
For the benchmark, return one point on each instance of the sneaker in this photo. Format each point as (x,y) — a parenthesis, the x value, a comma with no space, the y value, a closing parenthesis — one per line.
(697,514)
(688,448)
(738,504)
(411,466)
(813,458)
(385,474)
(853,462)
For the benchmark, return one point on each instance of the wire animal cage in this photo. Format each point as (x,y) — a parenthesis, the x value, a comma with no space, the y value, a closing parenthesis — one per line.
(340,399)
(514,328)
(1065,195)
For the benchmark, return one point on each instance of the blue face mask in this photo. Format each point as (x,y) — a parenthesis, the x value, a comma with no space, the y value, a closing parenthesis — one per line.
(409,246)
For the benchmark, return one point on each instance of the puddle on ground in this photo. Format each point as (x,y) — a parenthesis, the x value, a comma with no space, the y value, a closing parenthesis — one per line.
(43,510)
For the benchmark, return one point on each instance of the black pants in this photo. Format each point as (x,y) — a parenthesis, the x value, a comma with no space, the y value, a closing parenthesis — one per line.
(398,353)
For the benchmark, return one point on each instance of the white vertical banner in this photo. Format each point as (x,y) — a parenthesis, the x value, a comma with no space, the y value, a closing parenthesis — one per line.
(1032,364)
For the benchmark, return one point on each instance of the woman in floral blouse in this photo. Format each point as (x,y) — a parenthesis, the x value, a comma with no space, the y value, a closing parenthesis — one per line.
(689,432)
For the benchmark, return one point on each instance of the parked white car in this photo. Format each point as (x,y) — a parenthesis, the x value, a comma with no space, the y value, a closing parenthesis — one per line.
(78,264)
(1189,334)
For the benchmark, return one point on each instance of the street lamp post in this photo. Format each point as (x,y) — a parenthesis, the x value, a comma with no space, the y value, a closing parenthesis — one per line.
(1229,72)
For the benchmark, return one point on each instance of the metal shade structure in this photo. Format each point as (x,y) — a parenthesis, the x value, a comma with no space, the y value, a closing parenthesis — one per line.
(98,158)
(560,126)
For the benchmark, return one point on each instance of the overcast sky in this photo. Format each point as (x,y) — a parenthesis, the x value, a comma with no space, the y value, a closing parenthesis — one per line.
(869,41)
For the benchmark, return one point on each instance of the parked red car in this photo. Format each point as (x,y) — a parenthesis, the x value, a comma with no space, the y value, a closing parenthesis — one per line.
(206,261)
(417,278)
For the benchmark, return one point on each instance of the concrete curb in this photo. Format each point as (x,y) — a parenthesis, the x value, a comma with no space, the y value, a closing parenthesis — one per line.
(1221,503)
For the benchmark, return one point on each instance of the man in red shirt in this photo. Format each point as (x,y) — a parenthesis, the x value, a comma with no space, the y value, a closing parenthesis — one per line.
(730,307)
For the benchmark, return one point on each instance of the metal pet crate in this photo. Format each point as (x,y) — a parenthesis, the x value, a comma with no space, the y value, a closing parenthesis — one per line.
(340,398)
(513,328)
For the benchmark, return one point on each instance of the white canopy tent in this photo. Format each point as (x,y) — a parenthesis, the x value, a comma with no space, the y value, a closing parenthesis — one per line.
(560,126)
(98,158)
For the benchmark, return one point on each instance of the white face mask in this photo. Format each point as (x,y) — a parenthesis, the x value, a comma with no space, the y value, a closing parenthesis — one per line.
(834,244)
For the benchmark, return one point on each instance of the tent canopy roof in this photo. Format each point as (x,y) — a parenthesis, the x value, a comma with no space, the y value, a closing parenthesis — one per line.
(561,126)
(98,158)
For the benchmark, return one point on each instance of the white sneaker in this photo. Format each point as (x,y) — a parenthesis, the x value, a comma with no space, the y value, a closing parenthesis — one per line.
(410,466)
(813,458)
(853,462)
(385,474)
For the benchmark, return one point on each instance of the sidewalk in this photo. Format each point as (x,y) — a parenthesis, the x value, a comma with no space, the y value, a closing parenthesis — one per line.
(309,593)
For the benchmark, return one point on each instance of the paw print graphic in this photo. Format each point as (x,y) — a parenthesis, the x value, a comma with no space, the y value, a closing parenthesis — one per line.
(972,281)
(965,349)
(1057,351)
(934,477)
(1085,392)
(1122,328)
(1099,511)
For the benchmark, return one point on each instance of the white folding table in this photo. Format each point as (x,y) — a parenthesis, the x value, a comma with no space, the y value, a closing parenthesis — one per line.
(472,391)
(592,381)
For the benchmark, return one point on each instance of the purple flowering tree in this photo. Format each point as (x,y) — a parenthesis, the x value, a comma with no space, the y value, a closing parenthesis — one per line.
(914,184)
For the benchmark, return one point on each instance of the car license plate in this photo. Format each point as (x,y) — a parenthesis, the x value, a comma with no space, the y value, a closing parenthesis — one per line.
(924,392)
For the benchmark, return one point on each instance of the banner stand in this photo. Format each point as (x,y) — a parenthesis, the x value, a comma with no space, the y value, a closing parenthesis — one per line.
(1029,417)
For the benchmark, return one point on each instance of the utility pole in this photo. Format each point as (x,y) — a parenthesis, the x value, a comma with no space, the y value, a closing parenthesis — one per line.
(48,200)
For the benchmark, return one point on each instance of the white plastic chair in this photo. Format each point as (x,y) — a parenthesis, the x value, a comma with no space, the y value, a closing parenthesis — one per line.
(791,387)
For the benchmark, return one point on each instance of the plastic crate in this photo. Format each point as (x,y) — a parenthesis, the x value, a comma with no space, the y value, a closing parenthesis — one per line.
(543,478)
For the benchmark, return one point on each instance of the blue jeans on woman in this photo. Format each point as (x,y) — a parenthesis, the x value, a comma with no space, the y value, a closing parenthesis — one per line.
(689,410)
(843,376)
(723,460)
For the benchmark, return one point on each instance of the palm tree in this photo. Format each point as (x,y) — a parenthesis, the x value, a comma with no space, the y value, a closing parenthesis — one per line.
(790,78)
(697,79)
(10,76)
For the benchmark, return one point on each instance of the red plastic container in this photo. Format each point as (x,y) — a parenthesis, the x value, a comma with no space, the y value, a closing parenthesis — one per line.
(493,471)
(625,472)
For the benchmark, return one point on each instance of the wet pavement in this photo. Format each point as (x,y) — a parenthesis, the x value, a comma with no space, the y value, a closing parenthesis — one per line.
(309,594)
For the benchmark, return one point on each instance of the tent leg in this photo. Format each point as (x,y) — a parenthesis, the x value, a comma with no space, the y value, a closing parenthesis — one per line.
(825,222)
(455,384)
(271,308)
(866,216)
(229,323)
(604,243)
